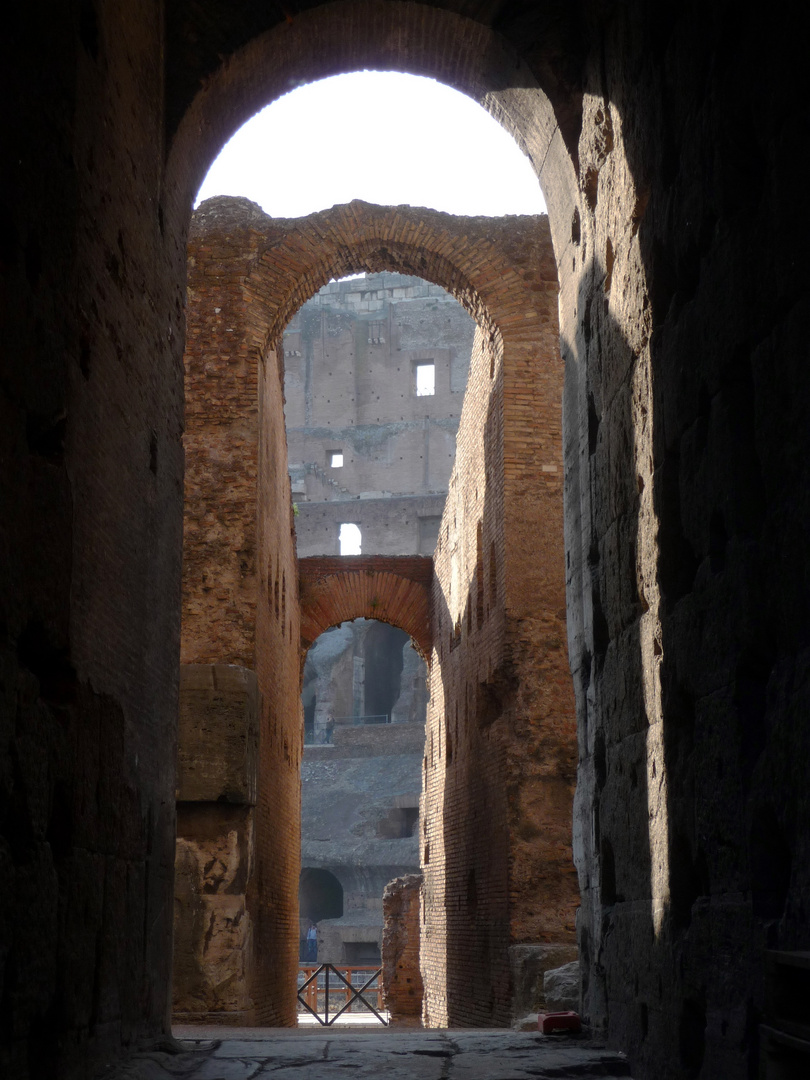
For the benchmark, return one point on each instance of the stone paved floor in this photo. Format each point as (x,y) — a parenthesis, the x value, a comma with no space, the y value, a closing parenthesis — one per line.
(285,1054)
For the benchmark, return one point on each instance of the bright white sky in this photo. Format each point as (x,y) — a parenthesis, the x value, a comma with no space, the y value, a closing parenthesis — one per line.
(380,136)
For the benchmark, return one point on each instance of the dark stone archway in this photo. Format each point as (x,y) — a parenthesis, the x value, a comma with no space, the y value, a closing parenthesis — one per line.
(670,171)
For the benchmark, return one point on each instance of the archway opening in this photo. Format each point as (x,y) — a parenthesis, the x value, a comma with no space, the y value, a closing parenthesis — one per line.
(360,673)
(456,615)
(320,895)
(427,165)
(458,266)
(361,777)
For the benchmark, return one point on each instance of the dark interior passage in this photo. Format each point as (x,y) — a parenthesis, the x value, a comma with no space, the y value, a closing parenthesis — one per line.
(320,895)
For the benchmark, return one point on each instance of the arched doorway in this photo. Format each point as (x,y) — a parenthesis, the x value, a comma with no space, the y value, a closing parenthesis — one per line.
(459,618)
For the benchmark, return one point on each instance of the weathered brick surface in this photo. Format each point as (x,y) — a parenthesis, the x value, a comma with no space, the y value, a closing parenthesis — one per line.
(666,141)
(240,595)
(491,622)
(394,589)
(402,977)
(501,752)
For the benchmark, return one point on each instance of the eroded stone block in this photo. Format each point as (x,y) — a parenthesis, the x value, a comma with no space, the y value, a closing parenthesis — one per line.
(218,734)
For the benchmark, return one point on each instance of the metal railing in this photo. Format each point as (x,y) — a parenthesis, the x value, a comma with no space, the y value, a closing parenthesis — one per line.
(325,737)
(315,992)
(358,721)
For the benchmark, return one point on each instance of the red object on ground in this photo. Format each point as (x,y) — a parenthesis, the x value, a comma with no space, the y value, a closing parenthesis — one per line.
(559,1021)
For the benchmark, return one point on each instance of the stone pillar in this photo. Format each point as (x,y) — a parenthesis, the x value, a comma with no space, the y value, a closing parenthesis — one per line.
(401,977)
(215,857)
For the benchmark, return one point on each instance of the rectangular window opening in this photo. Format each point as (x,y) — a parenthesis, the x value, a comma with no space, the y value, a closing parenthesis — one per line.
(349,539)
(425,379)
(336,459)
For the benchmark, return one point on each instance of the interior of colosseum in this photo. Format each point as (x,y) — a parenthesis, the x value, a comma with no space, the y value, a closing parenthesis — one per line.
(666,140)
(369,442)
(488,612)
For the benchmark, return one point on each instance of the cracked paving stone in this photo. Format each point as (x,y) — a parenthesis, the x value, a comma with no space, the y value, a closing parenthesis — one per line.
(229,1069)
(430,1055)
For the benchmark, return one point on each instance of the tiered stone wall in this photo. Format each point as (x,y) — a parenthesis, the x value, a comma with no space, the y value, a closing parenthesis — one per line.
(396,526)
(359,788)
(350,357)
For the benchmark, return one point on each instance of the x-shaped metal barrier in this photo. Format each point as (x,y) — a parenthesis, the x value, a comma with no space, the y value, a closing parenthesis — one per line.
(356,994)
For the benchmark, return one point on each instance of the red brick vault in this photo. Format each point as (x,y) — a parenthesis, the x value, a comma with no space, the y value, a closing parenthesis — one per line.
(392,588)
(500,754)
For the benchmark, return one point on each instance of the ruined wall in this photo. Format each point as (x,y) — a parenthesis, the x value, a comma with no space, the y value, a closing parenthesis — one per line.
(685,502)
(240,607)
(500,691)
(221,443)
(497,594)
(401,977)
(218,736)
(681,198)
(350,360)
(500,749)
(388,526)
(90,530)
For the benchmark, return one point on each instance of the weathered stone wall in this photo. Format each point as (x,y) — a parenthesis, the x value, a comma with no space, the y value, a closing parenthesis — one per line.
(214,962)
(350,360)
(90,533)
(396,526)
(685,501)
(666,141)
(402,977)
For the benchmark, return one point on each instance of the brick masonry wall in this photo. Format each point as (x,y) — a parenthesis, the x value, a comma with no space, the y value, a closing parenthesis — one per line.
(501,709)
(402,977)
(240,595)
(500,758)
(395,589)
(221,443)
(670,173)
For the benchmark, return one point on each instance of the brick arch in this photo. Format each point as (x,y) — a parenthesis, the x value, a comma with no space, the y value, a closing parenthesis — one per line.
(391,589)
(355,35)
(492,268)
(247,274)
(363,237)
